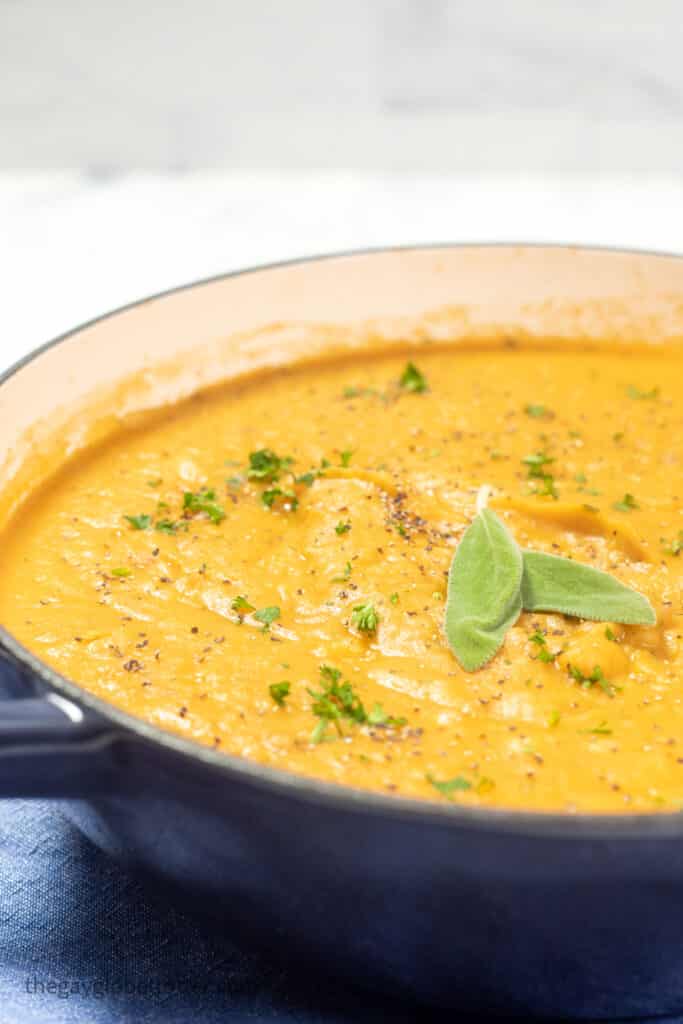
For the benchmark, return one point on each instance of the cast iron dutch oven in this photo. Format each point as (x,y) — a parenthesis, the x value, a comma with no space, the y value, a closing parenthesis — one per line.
(490,910)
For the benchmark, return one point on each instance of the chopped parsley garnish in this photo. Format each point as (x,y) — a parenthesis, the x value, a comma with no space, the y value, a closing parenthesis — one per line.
(599,730)
(142,522)
(342,527)
(378,716)
(234,481)
(543,654)
(609,633)
(537,464)
(412,379)
(337,702)
(122,572)
(537,412)
(266,466)
(308,478)
(241,606)
(675,547)
(627,504)
(204,501)
(449,787)
(279,692)
(156,482)
(365,618)
(288,499)
(267,615)
(346,574)
(634,392)
(393,598)
(554,719)
(345,457)
(355,392)
(167,526)
(596,677)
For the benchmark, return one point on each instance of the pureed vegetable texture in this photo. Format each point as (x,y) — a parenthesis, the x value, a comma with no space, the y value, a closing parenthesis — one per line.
(265,570)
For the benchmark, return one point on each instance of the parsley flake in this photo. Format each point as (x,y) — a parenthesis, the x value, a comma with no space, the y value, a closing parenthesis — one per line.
(142,522)
(413,380)
(266,466)
(203,501)
(279,692)
(639,395)
(449,787)
(365,618)
(537,412)
(627,504)
(596,676)
(675,547)
(267,615)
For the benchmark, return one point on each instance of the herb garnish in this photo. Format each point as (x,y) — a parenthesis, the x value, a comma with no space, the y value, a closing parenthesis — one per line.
(599,730)
(595,677)
(204,501)
(627,503)
(142,522)
(537,412)
(636,393)
(342,527)
(537,464)
(241,605)
(412,379)
(122,572)
(337,701)
(365,618)
(543,654)
(333,703)
(279,692)
(449,787)
(378,716)
(345,576)
(267,615)
(491,580)
(275,494)
(676,545)
(266,466)
(345,458)
(167,526)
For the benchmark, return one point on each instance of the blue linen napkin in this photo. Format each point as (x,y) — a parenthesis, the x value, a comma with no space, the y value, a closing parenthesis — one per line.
(82,942)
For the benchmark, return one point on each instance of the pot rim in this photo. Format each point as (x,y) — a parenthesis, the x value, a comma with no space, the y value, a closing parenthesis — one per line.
(548,824)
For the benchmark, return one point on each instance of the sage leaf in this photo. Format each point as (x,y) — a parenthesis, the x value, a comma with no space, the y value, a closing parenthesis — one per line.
(554,584)
(483,590)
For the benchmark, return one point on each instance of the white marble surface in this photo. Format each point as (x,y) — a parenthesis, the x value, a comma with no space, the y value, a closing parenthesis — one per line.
(72,247)
(422,85)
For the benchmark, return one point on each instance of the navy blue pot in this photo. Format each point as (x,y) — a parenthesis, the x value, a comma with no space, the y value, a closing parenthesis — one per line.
(488,910)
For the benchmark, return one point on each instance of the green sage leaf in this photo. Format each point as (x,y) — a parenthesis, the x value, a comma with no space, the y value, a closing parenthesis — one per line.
(483,590)
(554,584)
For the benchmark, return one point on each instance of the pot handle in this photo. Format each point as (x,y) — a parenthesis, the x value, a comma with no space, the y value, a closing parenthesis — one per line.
(49,746)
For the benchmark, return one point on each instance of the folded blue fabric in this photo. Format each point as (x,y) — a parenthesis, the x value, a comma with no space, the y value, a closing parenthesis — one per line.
(82,942)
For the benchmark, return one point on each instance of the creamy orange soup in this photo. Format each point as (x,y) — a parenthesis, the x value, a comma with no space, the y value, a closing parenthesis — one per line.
(211,614)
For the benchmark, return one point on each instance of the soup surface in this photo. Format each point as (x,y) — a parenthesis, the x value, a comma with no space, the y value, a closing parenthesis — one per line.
(263,569)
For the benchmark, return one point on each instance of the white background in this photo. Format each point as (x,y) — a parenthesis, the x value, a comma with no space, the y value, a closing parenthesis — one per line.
(144,144)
